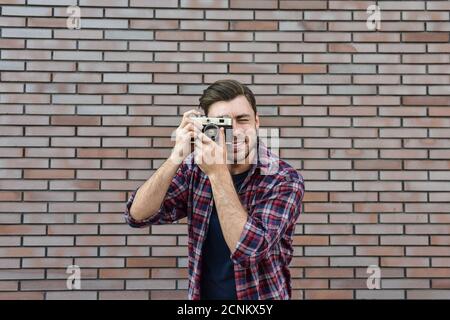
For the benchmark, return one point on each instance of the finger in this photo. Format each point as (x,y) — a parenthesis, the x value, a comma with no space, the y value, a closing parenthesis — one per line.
(188,115)
(188,124)
(185,122)
(197,159)
(188,127)
(198,144)
(195,122)
(196,111)
(191,134)
(204,138)
(191,113)
(223,144)
(195,128)
(198,147)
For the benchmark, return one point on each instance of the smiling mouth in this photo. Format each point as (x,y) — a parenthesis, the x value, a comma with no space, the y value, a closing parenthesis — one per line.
(237,145)
(239,148)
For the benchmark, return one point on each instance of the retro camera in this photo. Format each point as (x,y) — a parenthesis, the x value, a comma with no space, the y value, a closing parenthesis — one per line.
(211,128)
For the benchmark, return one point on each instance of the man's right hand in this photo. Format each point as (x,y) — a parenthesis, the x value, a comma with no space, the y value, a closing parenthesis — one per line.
(183,135)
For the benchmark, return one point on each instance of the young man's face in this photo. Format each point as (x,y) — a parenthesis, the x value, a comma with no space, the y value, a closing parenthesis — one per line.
(245,125)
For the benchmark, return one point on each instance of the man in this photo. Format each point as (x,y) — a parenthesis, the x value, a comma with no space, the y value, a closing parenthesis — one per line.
(240,200)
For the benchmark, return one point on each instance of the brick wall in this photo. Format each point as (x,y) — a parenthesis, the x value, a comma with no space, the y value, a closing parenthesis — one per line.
(86,117)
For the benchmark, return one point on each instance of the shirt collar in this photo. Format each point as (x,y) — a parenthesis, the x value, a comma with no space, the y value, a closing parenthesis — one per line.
(267,162)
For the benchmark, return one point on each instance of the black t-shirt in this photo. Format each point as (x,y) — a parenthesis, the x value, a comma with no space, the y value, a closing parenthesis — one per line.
(217,277)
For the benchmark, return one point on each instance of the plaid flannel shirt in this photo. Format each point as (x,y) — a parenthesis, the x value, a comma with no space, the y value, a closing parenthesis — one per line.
(272,193)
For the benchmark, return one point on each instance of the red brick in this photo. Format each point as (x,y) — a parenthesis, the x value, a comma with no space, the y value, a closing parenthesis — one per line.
(404,262)
(169,273)
(22,252)
(21,229)
(121,295)
(151,262)
(19,295)
(329,294)
(428,272)
(169,294)
(48,174)
(75,120)
(303,68)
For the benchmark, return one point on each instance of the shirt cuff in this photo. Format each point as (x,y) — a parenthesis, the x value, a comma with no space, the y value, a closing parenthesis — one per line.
(247,251)
(137,223)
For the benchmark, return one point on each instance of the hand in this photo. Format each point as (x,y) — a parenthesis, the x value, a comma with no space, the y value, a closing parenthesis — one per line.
(183,135)
(210,156)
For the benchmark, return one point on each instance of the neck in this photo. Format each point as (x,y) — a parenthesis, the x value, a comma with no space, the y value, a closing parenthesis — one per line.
(237,168)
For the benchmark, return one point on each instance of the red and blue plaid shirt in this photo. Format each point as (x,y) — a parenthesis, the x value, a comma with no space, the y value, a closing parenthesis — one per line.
(272,193)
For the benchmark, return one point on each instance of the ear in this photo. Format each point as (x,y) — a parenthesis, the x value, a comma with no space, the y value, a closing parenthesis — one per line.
(257,121)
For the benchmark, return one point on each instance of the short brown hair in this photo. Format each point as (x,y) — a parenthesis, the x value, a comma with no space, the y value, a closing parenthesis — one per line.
(225,90)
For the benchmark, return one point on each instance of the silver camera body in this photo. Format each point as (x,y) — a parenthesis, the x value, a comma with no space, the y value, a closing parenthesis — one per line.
(211,127)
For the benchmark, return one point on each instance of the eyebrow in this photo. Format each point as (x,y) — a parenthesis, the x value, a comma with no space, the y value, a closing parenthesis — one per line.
(239,116)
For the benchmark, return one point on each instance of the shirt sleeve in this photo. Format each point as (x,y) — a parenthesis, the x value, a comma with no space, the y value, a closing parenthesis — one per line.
(270,218)
(174,206)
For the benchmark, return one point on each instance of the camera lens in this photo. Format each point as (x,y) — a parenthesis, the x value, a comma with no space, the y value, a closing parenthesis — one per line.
(211,131)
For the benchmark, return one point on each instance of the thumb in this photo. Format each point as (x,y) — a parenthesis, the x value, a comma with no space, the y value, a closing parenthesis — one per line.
(223,145)
(222,137)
